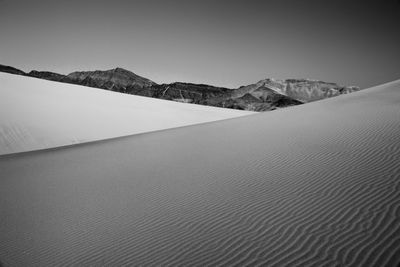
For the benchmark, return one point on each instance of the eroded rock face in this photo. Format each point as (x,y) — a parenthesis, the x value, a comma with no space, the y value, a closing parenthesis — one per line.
(267,94)
(188,92)
(303,90)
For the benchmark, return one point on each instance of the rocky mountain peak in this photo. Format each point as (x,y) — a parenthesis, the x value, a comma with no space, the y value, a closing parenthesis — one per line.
(114,79)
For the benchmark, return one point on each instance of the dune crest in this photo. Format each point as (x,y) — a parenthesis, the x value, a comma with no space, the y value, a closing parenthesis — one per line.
(39,114)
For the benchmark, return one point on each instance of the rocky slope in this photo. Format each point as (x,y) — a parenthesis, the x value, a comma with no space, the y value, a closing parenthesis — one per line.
(12,70)
(47,75)
(117,79)
(303,90)
(268,94)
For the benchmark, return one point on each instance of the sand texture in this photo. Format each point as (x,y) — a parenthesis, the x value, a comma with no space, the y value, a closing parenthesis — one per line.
(311,185)
(38,114)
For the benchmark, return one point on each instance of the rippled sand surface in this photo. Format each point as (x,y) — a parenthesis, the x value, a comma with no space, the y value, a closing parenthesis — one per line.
(312,185)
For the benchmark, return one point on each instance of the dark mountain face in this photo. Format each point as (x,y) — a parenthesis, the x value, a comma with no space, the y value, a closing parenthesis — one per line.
(11,70)
(268,94)
(47,75)
(116,79)
(188,92)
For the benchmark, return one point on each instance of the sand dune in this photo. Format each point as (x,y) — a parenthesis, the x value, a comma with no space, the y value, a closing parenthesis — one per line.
(311,185)
(37,114)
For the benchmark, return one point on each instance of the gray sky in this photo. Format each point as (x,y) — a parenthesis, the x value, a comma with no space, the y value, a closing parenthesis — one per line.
(225,43)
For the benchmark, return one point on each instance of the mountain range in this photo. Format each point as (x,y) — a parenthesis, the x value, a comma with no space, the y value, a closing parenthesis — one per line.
(265,95)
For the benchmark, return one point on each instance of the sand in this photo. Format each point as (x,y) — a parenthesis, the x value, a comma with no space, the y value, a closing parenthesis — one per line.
(39,114)
(311,185)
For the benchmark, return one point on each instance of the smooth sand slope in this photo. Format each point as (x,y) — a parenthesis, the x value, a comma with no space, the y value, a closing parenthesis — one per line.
(37,114)
(312,185)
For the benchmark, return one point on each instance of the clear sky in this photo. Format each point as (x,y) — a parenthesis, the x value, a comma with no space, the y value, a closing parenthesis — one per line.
(224,43)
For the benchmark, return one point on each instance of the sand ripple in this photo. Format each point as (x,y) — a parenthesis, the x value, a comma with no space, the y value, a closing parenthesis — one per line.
(314,185)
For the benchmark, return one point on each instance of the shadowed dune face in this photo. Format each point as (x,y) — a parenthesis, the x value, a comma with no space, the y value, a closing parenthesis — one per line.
(312,185)
(38,114)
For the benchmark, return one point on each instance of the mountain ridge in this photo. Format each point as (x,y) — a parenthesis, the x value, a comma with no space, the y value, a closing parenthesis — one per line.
(264,95)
